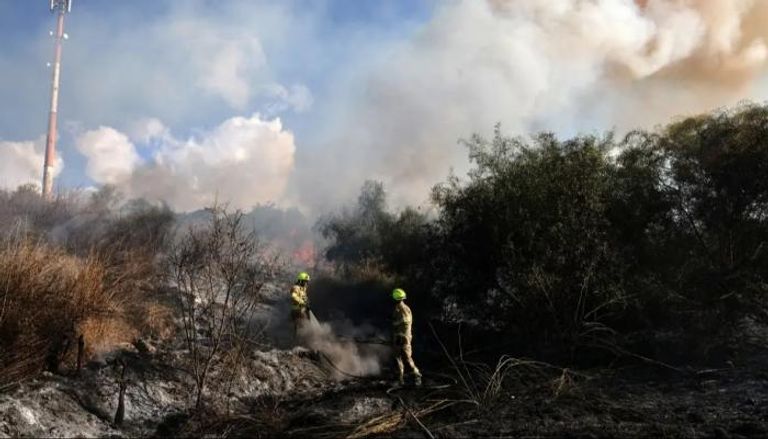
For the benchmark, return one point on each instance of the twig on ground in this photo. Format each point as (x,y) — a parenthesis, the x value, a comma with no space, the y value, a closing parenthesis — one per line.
(391,421)
(415,418)
(621,351)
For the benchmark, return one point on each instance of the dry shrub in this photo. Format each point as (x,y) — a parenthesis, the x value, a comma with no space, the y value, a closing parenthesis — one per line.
(219,269)
(46,297)
(104,333)
(155,320)
(21,359)
(135,275)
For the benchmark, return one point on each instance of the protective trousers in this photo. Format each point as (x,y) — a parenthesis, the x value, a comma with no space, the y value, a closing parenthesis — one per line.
(300,317)
(404,356)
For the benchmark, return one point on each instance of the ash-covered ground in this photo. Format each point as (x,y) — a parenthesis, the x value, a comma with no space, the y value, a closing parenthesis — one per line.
(341,388)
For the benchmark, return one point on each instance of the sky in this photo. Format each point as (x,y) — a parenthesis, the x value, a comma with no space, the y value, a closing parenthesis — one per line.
(297,102)
(126,62)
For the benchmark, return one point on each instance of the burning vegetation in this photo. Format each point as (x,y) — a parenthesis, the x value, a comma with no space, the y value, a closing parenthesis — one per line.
(588,286)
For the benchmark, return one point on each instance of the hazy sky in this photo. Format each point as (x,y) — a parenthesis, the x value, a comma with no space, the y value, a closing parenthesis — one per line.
(299,101)
(127,61)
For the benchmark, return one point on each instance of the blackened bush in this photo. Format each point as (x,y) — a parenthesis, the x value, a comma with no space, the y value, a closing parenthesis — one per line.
(219,269)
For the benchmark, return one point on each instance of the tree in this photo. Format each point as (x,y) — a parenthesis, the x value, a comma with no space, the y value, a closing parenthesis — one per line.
(355,235)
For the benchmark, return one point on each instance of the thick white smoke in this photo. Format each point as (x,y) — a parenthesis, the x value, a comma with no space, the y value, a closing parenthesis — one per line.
(568,66)
(22,163)
(149,129)
(347,357)
(111,155)
(241,162)
(564,65)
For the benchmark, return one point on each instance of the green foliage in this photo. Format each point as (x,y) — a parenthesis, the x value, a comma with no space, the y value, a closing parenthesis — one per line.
(371,236)
(715,180)
(570,240)
(527,239)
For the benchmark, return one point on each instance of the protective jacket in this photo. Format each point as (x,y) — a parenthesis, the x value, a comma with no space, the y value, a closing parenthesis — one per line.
(299,299)
(402,321)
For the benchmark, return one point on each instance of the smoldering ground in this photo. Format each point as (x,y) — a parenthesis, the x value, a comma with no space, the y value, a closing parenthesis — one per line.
(350,356)
(354,347)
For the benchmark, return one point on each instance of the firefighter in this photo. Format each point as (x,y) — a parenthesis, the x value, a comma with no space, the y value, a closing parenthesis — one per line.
(300,302)
(402,321)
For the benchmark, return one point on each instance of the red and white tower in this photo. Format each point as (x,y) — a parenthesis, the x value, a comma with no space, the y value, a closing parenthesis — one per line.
(60,7)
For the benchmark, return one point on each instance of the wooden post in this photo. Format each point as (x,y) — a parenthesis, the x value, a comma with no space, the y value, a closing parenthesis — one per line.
(80,352)
(123,384)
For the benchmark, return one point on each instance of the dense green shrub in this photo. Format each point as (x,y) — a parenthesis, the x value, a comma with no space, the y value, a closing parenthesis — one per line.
(527,240)
(569,240)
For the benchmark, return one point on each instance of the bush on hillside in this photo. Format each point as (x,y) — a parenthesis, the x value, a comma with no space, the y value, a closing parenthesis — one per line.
(570,241)
(48,299)
(76,266)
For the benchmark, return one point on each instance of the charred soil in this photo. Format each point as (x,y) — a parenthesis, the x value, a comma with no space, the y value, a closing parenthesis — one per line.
(535,401)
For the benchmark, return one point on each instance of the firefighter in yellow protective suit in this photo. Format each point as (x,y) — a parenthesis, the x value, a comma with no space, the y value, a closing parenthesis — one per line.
(300,302)
(402,321)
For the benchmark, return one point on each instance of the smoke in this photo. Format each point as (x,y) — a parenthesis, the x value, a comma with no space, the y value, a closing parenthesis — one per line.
(148,129)
(337,337)
(297,98)
(111,155)
(563,65)
(242,162)
(347,356)
(22,163)
(225,71)
(728,43)
(395,113)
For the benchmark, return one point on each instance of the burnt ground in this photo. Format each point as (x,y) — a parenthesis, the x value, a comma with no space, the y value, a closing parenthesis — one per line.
(639,401)
(629,403)
(292,393)
(295,392)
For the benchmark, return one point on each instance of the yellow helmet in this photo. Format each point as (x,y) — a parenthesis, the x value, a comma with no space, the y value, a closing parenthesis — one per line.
(398,294)
(303,277)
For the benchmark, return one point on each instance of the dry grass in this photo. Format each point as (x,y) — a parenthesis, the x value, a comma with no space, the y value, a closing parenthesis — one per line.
(483,385)
(392,421)
(104,333)
(49,297)
(155,320)
(77,265)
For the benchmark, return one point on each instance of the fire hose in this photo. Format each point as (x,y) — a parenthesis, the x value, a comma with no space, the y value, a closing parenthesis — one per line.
(373,341)
(361,377)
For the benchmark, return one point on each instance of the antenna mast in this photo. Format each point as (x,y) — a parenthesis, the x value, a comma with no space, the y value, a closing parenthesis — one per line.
(61,7)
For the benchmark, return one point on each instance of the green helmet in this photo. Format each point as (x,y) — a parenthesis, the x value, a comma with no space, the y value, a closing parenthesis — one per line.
(398,294)
(303,277)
